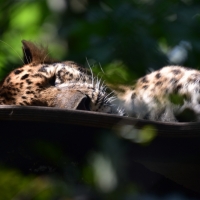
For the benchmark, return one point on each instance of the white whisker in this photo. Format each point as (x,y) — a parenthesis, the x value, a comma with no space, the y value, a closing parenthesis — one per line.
(25,54)
(101,68)
(106,97)
(90,70)
(45,56)
(111,99)
(13,50)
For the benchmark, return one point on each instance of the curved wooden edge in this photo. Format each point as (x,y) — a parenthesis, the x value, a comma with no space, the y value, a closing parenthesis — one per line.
(94,119)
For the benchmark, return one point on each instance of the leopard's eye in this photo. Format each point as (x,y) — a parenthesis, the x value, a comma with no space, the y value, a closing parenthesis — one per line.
(52,81)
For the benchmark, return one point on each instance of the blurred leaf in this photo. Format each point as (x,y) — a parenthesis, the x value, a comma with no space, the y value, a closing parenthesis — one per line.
(176,99)
(15,185)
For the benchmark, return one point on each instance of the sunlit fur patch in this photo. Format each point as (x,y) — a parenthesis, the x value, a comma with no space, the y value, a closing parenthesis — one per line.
(70,75)
(101,101)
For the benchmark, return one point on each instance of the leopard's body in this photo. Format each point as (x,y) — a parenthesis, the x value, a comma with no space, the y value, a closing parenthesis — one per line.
(44,82)
(168,94)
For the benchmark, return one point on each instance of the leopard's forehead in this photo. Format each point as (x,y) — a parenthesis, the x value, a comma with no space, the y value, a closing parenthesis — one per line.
(65,71)
(32,73)
(70,72)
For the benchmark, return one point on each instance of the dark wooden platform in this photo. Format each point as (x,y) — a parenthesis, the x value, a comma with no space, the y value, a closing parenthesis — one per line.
(174,154)
(94,119)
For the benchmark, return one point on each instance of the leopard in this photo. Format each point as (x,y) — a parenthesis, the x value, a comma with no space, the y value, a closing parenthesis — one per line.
(170,94)
(42,81)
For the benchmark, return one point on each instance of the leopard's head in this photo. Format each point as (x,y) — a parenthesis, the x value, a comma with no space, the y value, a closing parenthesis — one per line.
(42,81)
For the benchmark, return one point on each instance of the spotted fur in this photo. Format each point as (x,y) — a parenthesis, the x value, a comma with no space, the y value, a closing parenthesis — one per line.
(169,94)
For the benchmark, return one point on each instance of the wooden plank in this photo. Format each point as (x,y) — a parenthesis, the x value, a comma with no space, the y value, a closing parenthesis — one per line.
(94,119)
(174,154)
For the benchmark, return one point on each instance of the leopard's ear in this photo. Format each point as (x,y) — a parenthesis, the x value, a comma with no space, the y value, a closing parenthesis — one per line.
(35,54)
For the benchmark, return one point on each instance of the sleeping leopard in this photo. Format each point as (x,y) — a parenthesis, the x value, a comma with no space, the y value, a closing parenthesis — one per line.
(41,81)
(163,95)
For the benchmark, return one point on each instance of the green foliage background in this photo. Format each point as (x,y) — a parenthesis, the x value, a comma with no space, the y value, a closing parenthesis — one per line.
(127,38)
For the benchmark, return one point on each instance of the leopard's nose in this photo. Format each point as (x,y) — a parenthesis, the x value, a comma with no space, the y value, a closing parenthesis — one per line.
(84,104)
(72,99)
